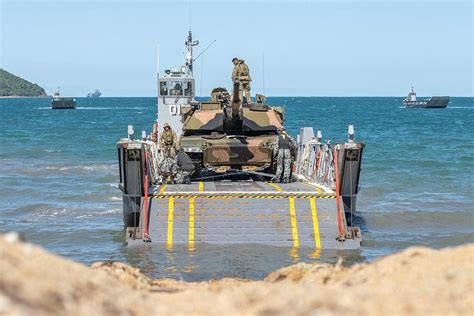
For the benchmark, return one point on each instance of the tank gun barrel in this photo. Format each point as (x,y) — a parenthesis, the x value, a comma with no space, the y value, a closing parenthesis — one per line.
(236,101)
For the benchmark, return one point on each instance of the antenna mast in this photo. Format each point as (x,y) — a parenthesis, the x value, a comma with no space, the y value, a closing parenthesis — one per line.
(189,55)
(263,64)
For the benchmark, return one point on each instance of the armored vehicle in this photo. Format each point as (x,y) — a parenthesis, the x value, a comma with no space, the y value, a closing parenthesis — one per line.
(231,198)
(223,134)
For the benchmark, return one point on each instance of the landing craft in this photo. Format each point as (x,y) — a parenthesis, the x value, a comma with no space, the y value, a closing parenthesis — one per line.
(430,103)
(61,103)
(231,198)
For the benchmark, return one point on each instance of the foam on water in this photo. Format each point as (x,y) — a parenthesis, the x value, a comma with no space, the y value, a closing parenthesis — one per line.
(58,178)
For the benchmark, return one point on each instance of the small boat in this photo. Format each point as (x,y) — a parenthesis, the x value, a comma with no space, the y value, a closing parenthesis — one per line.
(430,103)
(59,102)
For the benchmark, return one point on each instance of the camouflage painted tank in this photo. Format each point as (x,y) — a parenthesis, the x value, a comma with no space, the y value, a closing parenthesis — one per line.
(224,134)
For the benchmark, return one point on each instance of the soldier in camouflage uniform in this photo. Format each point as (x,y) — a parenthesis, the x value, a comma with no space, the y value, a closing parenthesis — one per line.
(184,166)
(285,144)
(241,74)
(168,141)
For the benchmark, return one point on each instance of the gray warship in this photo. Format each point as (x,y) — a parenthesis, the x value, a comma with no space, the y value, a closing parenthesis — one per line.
(430,103)
(231,198)
(94,94)
(61,103)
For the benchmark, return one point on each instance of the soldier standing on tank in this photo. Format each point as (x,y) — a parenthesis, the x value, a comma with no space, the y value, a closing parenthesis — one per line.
(185,168)
(285,144)
(168,141)
(241,74)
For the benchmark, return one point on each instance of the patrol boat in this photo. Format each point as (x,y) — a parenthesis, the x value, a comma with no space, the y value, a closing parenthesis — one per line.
(59,102)
(430,103)
(231,198)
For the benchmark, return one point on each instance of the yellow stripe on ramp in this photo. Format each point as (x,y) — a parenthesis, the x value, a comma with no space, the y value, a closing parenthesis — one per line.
(294,227)
(191,224)
(201,186)
(163,188)
(318,189)
(170,222)
(314,214)
(275,186)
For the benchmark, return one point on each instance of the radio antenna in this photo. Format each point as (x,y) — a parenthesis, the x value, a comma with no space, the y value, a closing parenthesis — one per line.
(263,70)
(189,13)
(158,60)
(204,50)
(200,82)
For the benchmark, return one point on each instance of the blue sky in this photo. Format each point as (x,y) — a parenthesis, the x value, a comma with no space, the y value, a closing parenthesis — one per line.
(311,48)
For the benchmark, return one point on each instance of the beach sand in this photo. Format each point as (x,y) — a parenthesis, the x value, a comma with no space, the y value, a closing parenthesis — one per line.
(416,281)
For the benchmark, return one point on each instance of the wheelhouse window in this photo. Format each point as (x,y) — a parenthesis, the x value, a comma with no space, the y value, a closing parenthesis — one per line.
(176,88)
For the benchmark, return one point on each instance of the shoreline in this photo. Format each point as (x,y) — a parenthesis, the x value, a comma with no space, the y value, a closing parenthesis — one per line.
(24,97)
(415,281)
(201,97)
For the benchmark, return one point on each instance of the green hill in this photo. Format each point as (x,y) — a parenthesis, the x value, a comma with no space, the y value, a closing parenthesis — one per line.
(11,85)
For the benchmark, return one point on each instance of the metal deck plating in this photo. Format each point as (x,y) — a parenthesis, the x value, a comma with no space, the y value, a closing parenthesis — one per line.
(293,215)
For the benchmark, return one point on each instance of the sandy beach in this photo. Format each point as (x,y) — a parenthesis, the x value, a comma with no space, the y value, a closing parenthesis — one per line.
(416,281)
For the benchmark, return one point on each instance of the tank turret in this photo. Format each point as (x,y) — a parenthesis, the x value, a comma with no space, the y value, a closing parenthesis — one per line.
(222,133)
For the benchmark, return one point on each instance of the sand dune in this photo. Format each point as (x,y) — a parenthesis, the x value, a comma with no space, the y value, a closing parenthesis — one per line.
(416,281)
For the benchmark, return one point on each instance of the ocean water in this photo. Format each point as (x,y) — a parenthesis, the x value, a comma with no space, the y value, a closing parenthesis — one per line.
(58,181)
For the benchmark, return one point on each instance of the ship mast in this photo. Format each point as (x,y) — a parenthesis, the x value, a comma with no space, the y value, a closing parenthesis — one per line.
(189,55)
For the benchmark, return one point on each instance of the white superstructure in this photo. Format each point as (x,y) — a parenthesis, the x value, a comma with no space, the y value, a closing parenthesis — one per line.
(176,88)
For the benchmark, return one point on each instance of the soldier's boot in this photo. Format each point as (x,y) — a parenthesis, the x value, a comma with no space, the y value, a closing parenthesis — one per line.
(287,164)
(280,165)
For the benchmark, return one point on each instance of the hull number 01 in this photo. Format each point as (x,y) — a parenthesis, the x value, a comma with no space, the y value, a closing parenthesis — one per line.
(175,109)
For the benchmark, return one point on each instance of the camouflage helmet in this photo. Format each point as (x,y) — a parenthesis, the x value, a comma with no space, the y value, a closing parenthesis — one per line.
(166,125)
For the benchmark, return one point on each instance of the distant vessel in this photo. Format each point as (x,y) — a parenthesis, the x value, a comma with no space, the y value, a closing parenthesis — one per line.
(59,102)
(432,103)
(94,94)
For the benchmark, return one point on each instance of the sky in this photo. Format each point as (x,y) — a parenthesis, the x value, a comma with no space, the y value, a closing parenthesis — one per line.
(293,48)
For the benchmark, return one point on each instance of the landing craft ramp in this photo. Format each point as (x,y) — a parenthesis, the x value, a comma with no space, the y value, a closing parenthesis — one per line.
(315,210)
(286,214)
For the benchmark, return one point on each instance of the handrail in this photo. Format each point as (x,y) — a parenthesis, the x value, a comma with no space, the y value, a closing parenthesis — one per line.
(338,195)
(145,203)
